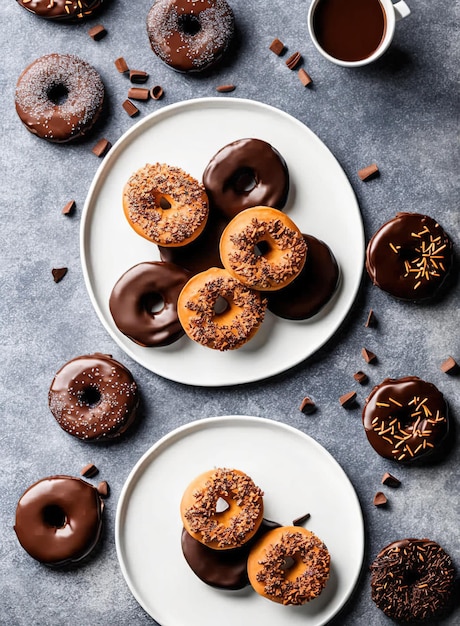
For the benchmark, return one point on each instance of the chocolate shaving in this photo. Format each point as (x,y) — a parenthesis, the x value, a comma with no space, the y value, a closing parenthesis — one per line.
(121,65)
(390,480)
(97,32)
(368,356)
(348,399)
(156,92)
(304,77)
(307,406)
(449,366)
(58,273)
(371,321)
(293,61)
(225,88)
(101,148)
(277,47)
(130,108)
(89,470)
(360,377)
(380,499)
(69,208)
(300,520)
(103,489)
(138,76)
(368,172)
(138,93)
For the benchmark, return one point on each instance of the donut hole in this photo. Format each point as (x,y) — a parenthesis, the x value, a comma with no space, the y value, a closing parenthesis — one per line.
(90,396)
(221,305)
(54,516)
(153,303)
(410,577)
(222,505)
(288,563)
(189,24)
(262,248)
(164,203)
(292,567)
(243,180)
(57,94)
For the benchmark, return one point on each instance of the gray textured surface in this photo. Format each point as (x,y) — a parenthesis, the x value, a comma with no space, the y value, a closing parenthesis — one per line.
(402,113)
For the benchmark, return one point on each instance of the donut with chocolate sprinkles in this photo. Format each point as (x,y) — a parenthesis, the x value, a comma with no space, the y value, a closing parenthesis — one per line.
(59,97)
(289,565)
(218,311)
(190,35)
(410,257)
(406,419)
(165,205)
(263,248)
(228,526)
(412,580)
(94,397)
(64,10)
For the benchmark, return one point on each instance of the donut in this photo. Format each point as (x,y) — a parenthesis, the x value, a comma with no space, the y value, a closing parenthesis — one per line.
(244,174)
(65,10)
(202,253)
(59,520)
(263,248)
(412,580)
(406,419)
(312,289)
(410,257)
(94,397)
(218,312)
(229,528)
(165,205)
(143,303)
(224,569)
(289,565)
(59,97)
(190,35)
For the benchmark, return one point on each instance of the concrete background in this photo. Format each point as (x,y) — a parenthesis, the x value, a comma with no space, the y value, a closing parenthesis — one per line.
(401,112)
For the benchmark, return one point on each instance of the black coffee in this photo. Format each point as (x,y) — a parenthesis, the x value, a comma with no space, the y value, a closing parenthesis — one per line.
(349,30)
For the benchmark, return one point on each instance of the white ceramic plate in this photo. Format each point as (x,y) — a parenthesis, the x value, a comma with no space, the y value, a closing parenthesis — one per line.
(297,475)
(321,202)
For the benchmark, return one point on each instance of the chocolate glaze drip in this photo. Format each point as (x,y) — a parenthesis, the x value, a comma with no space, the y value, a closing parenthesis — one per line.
(62,9)
(412,580)
(225,569)
(312,289)
(410,257)
(134,295)
(244,174)
(59,520)
(406,419)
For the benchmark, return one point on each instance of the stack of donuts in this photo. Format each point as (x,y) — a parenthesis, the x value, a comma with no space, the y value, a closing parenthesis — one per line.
(228,544)
(227,251)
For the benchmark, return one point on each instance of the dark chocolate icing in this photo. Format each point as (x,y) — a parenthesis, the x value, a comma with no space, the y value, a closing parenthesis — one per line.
(190,35)
(244,174)
(225,569)
(406,419)
(59,97)
(312,289)
(135,294)
(412,580)
(59,520)
(94,397)
(62,9)
(410,257)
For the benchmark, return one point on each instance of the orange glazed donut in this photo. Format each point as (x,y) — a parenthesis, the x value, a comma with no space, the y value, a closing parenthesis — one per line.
(232,527)
(218,312)
(165,205)
(263,248)
(289,565)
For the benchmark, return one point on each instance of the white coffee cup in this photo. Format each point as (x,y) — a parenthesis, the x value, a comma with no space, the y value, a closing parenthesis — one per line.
(392,14)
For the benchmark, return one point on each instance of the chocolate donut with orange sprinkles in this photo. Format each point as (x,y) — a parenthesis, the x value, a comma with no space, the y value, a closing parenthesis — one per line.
(66,10)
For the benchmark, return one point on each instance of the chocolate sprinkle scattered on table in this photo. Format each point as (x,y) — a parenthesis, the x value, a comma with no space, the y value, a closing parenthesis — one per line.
(103,489)
(371,320)
(368,172)
(121,65)
(101,148)
(97,32)
(130,108)
(390,480)
(360,377)
(225,88)
(293,61)
(307,406)
(138,76)
(368,356)
(156,92)
(277,47)
(58,273)
(450,366)
(138,93)
(298,521)
(89,470)
(380,499)
(304,77)
(348,399)
(69,208)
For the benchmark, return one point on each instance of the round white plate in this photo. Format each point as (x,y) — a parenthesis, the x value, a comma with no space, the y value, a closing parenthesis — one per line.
(297,476)
(321,202)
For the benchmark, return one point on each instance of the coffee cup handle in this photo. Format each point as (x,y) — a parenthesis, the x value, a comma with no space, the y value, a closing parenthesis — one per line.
(401,10)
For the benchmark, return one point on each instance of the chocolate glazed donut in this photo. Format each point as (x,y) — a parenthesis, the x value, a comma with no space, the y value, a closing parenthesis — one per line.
(66,10)
(244,174)
(143,303)
(59,520)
